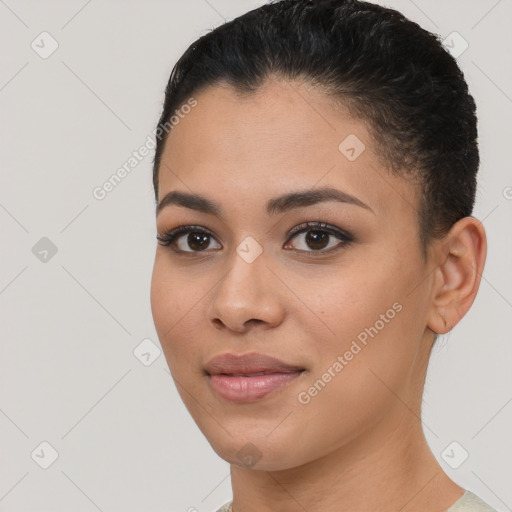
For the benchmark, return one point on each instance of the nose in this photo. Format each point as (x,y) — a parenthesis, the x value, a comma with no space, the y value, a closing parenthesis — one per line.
(246,296)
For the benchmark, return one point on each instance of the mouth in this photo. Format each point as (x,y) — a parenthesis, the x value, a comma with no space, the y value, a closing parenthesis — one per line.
(250,387)
(248,365)
(253,374)
(249,377)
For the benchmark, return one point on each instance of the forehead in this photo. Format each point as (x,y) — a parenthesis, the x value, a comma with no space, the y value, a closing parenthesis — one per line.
(281,120)
(286,136)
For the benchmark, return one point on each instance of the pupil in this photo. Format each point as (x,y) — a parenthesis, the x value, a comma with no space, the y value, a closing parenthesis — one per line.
(200,239)
(317,239)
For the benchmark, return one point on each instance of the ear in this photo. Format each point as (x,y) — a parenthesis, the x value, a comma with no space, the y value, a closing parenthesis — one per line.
(461,259)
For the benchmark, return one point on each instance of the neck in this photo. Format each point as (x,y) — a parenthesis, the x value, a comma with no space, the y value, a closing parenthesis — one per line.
(387,468)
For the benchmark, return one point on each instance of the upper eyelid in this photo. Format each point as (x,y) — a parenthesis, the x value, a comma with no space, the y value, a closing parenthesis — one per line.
(319,226)
(299,228)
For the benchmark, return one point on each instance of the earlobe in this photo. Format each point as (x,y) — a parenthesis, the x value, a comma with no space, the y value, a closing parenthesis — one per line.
(461,262)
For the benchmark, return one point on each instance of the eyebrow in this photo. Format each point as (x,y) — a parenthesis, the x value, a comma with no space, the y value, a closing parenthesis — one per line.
(280,204)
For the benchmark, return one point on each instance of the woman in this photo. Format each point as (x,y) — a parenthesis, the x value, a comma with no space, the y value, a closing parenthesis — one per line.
(315,176)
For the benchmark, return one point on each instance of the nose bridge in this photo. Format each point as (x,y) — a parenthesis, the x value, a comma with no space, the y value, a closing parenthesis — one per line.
(245,292)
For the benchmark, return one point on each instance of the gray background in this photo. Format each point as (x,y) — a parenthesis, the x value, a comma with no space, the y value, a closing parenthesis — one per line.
(70,322)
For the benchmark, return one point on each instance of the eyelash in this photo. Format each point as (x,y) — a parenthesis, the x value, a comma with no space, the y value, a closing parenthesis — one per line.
(168,238)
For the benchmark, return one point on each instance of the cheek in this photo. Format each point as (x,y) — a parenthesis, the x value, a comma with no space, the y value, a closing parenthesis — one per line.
(174,306)
(371,317)
(348,300)
(161,298)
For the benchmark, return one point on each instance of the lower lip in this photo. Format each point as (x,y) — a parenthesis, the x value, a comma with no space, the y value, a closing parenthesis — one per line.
(249,389)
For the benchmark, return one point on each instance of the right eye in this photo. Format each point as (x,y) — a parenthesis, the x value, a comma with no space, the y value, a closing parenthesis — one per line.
(197,240)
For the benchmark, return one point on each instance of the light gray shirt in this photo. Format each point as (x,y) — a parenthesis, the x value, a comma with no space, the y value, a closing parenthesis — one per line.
(468,502)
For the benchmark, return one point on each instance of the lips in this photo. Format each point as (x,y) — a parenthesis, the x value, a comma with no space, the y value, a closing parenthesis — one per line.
(249,377)
(248,364)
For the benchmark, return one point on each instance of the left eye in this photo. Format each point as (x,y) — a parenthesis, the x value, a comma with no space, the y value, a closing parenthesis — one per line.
(318,238)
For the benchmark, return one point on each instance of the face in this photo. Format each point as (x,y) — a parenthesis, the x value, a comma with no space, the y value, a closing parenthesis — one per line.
(330,285)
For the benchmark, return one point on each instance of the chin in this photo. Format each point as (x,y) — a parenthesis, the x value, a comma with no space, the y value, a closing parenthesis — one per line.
(257,452)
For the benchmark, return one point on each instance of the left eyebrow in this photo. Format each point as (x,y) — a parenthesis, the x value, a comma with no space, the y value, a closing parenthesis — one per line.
(304,198)
(280,204)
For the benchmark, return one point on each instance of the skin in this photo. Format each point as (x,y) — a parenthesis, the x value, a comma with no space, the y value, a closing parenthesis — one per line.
(359,443)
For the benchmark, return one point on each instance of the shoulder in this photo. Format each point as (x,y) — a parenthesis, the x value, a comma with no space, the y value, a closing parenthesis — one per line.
(225,507)
(470,502)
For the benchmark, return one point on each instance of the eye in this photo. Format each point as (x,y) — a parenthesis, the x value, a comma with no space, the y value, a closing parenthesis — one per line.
(197,239)
(318,237)
(313,237)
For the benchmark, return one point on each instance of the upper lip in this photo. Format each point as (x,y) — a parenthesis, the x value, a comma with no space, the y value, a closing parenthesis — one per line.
(234,364)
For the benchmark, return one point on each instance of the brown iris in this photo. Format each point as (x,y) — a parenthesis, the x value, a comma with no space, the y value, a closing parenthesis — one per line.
(317,239)
(198,241)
